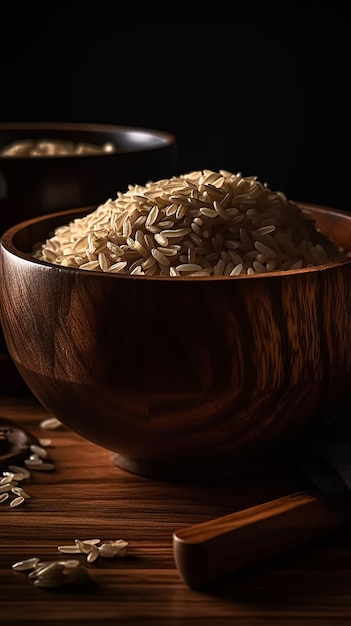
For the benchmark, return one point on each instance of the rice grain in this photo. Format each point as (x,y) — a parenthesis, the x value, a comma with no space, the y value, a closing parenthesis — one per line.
(17,501)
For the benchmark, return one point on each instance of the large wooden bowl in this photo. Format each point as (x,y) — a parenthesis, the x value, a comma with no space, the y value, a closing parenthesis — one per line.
(180,378)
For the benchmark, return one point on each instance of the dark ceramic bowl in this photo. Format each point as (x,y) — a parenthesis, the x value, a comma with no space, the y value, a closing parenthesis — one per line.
(180,378)
(31,186)
(35,185)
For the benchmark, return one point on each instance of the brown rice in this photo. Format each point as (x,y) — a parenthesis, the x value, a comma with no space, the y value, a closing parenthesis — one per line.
(53,147)
(203,223)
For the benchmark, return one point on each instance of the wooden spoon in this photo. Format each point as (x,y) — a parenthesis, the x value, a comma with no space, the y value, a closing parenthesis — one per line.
(211,551)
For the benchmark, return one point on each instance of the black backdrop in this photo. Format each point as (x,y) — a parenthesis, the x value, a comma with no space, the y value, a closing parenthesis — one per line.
(260,87)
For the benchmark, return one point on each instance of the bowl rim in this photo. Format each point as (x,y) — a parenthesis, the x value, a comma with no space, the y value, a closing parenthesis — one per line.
(7,243)
(162,139)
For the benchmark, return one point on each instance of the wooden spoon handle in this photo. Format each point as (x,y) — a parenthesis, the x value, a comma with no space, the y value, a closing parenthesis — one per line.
(211,551)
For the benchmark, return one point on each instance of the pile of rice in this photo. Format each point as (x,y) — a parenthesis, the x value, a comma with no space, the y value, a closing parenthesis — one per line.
(203,223)
(53,147)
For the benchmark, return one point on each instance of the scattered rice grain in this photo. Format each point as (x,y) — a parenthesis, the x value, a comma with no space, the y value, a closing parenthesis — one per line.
(19,491)
(41,452)
(26,564)
(5,487)
(50,423)
(16,501)
(19,472)
(42,467)
(70,549)
(93,554)
(5,480)
(45,442)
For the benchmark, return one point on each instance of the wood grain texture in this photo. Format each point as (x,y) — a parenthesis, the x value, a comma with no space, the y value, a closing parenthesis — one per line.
(179,377)
(86,496)
(209,552)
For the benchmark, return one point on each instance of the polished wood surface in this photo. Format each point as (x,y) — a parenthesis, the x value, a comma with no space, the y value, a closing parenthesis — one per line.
(87,496)
(209,552)
(179,376)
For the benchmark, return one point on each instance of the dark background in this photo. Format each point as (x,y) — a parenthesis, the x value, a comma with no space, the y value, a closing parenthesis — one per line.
(260,88)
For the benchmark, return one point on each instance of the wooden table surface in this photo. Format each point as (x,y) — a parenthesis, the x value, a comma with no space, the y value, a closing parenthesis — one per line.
(86,496)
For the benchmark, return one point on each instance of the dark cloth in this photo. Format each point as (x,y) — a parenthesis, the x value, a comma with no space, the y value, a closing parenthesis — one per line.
(325,458)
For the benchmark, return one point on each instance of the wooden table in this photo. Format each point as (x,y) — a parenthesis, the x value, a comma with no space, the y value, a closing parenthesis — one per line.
(86,496)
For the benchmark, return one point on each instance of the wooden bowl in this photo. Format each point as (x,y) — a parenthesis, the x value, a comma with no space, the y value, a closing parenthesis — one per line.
(32,186)
(180,378)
